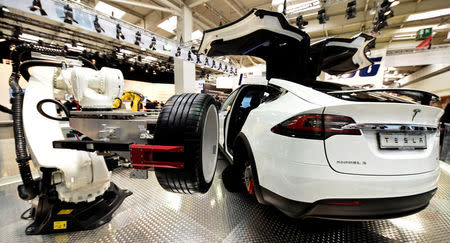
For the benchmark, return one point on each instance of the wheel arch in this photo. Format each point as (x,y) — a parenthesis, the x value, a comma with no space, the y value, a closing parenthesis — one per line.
(242,150)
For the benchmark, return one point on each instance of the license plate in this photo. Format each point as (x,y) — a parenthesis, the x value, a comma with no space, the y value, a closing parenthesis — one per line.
(402,141)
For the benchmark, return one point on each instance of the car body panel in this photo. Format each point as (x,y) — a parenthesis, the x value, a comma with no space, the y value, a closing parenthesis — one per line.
(307,170)
(299,169)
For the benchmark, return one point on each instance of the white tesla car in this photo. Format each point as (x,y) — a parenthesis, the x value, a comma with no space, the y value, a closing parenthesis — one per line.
(316,149)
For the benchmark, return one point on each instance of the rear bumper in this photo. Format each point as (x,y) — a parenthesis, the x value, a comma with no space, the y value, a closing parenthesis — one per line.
(351,209)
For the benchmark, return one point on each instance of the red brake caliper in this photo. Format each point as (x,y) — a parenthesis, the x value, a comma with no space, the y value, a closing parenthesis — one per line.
(250,186)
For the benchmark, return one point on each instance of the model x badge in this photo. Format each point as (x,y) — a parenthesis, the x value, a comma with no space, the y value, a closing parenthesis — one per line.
(415,113)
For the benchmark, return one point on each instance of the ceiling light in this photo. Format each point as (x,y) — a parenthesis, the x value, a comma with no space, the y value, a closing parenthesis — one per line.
(169,24)
(322,17)
(303,7)
(395,3)
(429,14)
(109,10)
(350,12)
(38,6)
(150,58)
(126,51)
(300,22)
(2,37)
(278,2)
(29,38)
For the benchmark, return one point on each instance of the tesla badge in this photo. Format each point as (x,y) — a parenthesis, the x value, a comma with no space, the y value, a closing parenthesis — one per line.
(415,113)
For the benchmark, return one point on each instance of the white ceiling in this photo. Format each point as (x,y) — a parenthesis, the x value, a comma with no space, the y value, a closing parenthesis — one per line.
(210,13)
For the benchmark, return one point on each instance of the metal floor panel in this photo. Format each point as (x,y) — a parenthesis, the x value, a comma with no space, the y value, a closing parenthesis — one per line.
(154,215)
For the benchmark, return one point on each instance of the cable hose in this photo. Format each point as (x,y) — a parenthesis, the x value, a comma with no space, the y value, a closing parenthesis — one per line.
(5,109)
(29,189)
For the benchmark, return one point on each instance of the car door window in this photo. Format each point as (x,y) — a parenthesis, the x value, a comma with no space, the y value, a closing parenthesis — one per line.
(229,101)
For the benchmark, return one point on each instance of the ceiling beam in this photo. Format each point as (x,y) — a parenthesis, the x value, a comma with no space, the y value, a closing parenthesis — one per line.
(201,24)
(125,9)
(194,3)
(203,19)
(145,5)
(234,6)
(168,4)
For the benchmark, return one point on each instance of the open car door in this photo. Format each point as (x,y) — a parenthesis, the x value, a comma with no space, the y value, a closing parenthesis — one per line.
(285,48)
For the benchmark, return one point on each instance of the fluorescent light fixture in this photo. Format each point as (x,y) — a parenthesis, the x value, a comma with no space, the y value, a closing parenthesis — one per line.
(169,24)
(303,7)
(404,37)
(278,2)
(429,14)
(413,29)
(108,9)
(127,52)
(197,35)
(298,7)
(394,3)
(30,38)
(150,58)
(78,48)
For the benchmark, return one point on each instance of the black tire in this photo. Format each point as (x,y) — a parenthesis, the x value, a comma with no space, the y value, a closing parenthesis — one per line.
(181,122)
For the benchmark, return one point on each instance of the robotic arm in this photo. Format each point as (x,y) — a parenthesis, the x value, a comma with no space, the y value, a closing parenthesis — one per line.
(135,97)
(71,180)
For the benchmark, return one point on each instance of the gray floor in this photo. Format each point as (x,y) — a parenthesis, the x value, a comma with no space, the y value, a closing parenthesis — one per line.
(154,215)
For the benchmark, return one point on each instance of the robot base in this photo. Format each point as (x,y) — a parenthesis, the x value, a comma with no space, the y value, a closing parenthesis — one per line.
(54,216)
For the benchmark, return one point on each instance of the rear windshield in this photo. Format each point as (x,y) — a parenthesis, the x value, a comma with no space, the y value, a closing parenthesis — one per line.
(342,91)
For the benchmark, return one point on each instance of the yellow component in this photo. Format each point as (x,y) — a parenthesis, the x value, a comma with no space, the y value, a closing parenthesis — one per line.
(135,98)
(65,211)
(57,225)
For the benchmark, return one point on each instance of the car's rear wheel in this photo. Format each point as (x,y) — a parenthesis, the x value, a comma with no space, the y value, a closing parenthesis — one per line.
(189,120)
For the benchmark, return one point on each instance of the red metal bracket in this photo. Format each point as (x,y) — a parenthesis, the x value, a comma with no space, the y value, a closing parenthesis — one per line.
(141,156)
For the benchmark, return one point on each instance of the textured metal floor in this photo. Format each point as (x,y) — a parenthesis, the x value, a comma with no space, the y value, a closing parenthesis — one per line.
(154,215)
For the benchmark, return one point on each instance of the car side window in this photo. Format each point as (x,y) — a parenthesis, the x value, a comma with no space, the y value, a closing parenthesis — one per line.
(272,93)
(229,101)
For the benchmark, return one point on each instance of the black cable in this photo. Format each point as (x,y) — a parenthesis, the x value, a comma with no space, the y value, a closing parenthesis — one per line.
(22,216)
(30,188)
(23,68)
(88,62)
(5,109)
(66,111)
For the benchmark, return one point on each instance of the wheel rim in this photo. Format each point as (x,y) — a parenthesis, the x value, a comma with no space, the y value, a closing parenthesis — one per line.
(210,139)
(248,179)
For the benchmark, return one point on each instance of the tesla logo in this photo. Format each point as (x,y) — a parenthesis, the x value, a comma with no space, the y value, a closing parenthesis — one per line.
(415,113)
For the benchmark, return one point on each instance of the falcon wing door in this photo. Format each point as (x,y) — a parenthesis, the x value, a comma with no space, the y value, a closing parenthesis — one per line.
(341,55)
(285,48)
(264,34)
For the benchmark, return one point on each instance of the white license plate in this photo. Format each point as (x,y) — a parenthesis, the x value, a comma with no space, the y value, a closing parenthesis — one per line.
(402,141)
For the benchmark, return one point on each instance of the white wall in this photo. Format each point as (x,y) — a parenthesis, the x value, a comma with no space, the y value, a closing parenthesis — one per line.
(153,91)
(438,84)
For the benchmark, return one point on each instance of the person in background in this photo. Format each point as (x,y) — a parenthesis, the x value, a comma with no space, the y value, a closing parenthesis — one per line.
(445,132)
(446,117)
(217,102)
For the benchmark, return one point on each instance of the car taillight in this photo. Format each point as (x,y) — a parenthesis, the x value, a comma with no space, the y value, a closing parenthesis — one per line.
(315,126)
